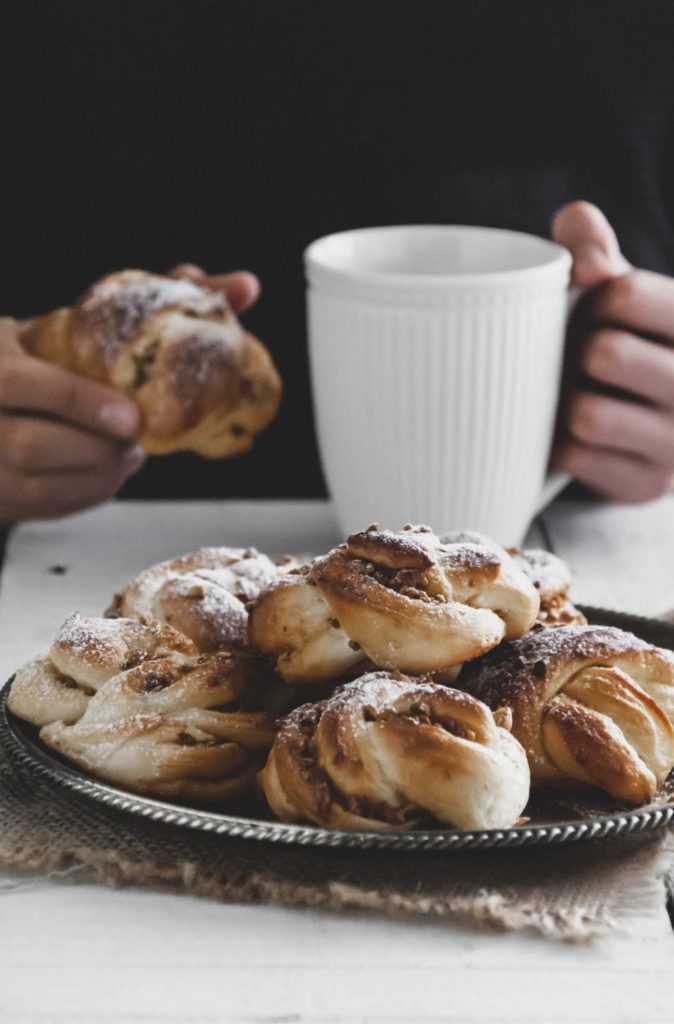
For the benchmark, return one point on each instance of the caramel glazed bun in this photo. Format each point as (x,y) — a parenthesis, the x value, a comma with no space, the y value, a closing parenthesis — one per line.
(204,594)
(385,752)
(136,705)
(201,382)
(398,600)
(591,705)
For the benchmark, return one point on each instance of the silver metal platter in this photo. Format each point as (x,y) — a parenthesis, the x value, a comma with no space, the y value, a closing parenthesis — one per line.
(582,823)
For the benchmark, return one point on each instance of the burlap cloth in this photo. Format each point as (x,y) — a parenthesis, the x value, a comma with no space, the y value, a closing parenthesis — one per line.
(573,892)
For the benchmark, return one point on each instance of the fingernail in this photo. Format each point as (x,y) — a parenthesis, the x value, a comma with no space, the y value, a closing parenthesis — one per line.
(120,420)
(134,459)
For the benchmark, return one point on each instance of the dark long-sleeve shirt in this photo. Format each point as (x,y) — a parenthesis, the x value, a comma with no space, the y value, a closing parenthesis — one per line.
(231,133)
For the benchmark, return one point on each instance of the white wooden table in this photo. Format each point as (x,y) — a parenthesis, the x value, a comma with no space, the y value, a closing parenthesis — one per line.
(80,953)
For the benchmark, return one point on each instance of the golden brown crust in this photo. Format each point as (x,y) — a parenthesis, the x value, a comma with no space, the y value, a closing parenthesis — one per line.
(86,653)
(551,578)
(590,703)
(390,550)
(577,738)
(200,381)
(294,624)
(385,752)
(403,621)
(40,694)
(204,593)
(548,574)
(400,600)
(174,727)
(94,649)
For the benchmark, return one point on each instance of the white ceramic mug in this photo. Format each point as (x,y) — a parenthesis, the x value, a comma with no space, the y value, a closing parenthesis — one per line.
(436,358)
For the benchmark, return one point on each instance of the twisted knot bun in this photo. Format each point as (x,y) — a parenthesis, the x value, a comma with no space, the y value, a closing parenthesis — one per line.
(591,705)
(402,600)
(552,579)
(155,729)
(200,381)
(202,594)
(547,572)
(86,653)
(386,752)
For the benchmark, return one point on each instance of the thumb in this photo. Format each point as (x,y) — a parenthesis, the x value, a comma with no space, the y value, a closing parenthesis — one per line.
(584,230)
(9,336)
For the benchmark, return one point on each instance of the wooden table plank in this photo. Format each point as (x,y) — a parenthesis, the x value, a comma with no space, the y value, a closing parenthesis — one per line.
(621,556)
(133,956)
(101,549)
(81,953)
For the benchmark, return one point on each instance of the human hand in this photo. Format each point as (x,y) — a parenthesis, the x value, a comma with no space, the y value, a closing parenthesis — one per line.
(65,441)
(621,441)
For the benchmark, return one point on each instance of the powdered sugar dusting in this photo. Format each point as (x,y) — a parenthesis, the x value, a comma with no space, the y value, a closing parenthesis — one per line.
(116,307)
(100,639)
(531,656)
(548,573)
(84,637)
(216,600)
(244,572)
(205,610)
(245,579)
(469,557)
(202,355)
(467,537)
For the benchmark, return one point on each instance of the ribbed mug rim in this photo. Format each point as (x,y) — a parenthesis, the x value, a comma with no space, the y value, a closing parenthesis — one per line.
(319,268)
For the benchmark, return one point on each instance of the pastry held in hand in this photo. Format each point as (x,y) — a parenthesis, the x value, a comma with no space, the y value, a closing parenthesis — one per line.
(385,752)
(201,382)
(203,594)
(172,728)
(87,653)
(591,705)
(402,600)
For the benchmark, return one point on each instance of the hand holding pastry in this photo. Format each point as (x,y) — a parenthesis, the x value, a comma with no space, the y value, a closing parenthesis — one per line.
(65,442)
(175,347)
(386,752)
(591,705)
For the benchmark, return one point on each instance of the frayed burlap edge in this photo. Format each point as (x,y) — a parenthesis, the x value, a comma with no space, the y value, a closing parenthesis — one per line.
(485,908)
(568,916)
(573,892)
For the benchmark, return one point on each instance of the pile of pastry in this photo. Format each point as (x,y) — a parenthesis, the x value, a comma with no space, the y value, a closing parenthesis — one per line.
(402,680)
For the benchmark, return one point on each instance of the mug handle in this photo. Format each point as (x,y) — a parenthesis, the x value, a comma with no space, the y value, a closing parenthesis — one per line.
(556,482)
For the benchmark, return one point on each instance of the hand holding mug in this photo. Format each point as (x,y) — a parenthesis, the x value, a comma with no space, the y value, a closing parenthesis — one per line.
(618,419)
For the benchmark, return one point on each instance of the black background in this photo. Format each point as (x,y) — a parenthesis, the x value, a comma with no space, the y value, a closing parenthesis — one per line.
(147,133)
